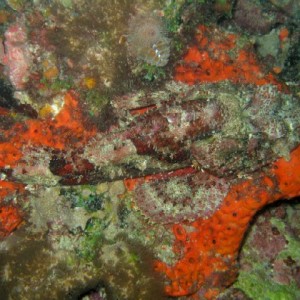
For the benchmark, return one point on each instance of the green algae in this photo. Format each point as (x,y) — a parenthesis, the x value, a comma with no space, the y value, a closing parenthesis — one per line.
(172,14)
(96,101)
(92,240)
(16,4)
(262,280)
(259,288)
(58,84)
(86,197)
(152,72)
(293,243)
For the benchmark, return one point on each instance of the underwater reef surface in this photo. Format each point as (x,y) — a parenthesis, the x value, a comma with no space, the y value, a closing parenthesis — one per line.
(148,149)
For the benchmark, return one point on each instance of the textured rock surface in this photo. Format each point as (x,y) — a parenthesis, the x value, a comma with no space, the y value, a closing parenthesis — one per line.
(136,152)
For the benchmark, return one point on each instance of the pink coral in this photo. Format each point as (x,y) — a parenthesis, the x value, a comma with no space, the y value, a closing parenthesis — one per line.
(16,57)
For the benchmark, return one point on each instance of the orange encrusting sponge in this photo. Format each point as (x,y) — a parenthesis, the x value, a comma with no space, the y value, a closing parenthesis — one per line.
(65,131)
(10,217)
(209,253)
(221,56)
(211,249)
